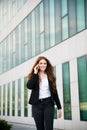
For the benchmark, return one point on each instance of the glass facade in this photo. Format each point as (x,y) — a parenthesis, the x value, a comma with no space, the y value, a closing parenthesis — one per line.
(4,88)
(8,99)
(80,15)
(8,9)
(13,98)
(66,91)
(55,107)
(47,25)
(82,82)
(25,98)
(19,97)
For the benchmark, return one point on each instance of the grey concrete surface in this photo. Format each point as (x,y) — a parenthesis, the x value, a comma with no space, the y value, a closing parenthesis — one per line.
(23,127)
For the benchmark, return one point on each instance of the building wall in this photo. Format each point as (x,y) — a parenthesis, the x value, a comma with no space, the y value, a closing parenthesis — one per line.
(68,59)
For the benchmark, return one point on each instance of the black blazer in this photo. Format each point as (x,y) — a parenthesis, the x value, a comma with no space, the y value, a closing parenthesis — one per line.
(33,84)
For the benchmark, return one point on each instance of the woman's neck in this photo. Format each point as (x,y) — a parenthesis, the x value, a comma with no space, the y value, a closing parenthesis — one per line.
(42,74)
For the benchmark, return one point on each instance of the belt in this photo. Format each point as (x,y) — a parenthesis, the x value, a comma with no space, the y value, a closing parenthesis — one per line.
(45,99)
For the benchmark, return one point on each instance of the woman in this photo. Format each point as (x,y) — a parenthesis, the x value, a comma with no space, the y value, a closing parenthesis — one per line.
(42,82)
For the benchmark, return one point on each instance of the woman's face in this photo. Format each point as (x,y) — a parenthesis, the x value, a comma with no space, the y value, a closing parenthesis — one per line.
(42,65)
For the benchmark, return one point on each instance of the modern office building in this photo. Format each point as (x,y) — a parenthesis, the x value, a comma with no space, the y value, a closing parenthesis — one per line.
(56,29)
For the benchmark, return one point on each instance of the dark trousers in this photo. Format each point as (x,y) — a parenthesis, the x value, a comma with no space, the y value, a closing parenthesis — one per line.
(43,113)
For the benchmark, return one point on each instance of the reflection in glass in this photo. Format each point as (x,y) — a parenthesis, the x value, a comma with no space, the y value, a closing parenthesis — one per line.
(72,17)
(64,7)
(41,18)
(19,97)
(13,8)
(66,91)
(55,107)
(82,81)
(0,100)
(80,15)
(19,44)
(19,2)
(42,42)
(8,99)
(52,23)
(24,1)
(4,99)
(33,33)
(1,58)
(65,27)
(26,40)
(25,98)
(13,98)
(1,16)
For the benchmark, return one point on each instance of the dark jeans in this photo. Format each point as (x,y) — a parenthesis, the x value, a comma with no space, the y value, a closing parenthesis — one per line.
(43,113)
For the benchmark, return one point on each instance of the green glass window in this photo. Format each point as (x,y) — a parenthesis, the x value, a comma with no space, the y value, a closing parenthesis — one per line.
(13,98)
(13,8)
(4,55)
(82,82)
(64,7)
(29,36)
(55,107)
(11,53)
(52,23)
(66,91)
(4,99)
(33,33)
(25,40)
(19,97)
(41,17)
(0,58)
(46,24)
(25,98)
(19,44)
(1,16)
(9,10)
(37,30)
(72,17)
(24,1)
(57,21)
(65,27)
(8,99)
(86,13)
(13,49)
(80,15)
(19,3)
(42,47)
(42,42)
(0,100)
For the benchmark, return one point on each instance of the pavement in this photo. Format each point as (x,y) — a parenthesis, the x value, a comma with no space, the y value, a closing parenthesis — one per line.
(22,127)
(16,126)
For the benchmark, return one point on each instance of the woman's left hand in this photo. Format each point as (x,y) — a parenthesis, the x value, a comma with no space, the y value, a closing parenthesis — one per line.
(59,113)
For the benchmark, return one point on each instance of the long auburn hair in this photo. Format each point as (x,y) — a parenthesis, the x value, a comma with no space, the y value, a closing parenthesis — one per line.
(49,71)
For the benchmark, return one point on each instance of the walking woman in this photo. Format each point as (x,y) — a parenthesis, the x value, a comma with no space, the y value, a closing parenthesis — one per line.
(42,82)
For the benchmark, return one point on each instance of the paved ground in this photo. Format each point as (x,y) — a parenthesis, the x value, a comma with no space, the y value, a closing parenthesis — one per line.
(23,127)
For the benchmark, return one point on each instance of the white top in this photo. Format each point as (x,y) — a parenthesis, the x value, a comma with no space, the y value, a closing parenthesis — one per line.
(44,90)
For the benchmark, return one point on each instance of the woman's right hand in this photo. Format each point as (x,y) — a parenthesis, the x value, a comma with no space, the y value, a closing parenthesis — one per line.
(36,69)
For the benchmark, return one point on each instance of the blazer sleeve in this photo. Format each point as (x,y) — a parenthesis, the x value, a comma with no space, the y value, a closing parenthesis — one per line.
(31,84)
(57,100)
